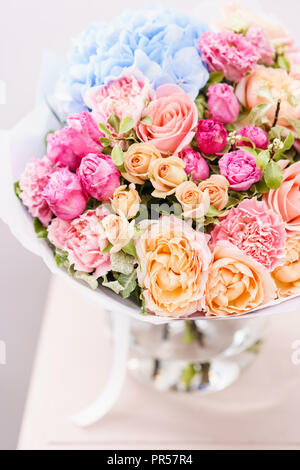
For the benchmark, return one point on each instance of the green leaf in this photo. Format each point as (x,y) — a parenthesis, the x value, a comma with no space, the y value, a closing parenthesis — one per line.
(249,150)
(17,189)
(295,125)
(108,248)
(283,63)
(88,278)
(130,249)
(105,141)
(129,284)
(61,257)
(126,125)
(113,285)
(213,212)
(114,122)
(262,159)
(215,77)
(40,230)
(103,128)
(258,112)
(117,156)
(260,187)
(273,175)
(289,142)
(147,121)
(276,132)
(122,263)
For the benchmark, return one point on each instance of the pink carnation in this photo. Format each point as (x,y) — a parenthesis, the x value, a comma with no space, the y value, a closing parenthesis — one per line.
(32,183)
(229,53)
(57,232)
(65,195)
(240,170)
(81,136)
(256,230)
(99,176)
(195,164)
(259,40)
(85,241)
(222,103)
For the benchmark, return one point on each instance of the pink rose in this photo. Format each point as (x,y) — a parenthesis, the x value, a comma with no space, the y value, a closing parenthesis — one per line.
(262,45)
(174,118)
(32,183)
(211,136)
(223,104)
(195,165)
(256,230)
(99,176)
(240,169)
(81,136)
(85,241)
(57,232)
(285,200)
(126,96)
(65,195)
(257,135)
(229,53)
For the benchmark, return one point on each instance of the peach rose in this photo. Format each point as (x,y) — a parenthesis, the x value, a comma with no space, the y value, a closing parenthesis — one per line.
(174,262)
(217,187)
(285,200)
(287,277)
(236,282)
(126,202)
(281,85)
(174,118)
(293,56)
(166,174)
(195,203)
(137,161)
(118,231)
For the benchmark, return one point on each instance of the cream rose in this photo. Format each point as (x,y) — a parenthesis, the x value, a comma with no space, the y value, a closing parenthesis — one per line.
(195,203)
(174,261)
(287,277)
(118,231)
(281,85)
(137,161)
(217,188)
(166,174)
(126,201)
(236,282)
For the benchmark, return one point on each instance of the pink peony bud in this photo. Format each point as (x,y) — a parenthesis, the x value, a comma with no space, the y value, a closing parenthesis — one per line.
(64,195)
(81,136)
(99,176)
(256,135)
(211,136)
(195,164)
(240,170)
(223,104)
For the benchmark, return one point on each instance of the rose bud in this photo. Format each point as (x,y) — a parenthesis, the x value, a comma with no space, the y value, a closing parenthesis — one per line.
(126,201)
(195,164)
(256,135)
(240,169)
(222,103)
(211,136)
(99,176)
(64,195)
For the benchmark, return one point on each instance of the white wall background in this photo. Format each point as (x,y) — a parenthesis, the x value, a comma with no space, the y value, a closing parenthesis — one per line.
(27,27)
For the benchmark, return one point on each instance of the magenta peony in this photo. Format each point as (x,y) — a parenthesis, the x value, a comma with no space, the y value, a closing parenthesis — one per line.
(223,104)
(257,135)
(240,169)
(256,230)
(229,53)
(195,165)
(65,195)
(32,183)
(81,136)
(211,136)
(99,176)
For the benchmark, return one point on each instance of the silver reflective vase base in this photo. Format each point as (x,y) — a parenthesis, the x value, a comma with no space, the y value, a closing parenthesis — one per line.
(203,356)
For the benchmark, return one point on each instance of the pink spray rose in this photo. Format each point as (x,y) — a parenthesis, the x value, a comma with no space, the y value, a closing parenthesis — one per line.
(99,176)
(195,165)
(259,40)
(229,53)
(57,232)
(126,96)
(32,183)
(65,195)
(257,135)
(285,200)
(211,136)
(256,230)
(223,104)
(81,136)
(240,169)
(85,241)
(174,117)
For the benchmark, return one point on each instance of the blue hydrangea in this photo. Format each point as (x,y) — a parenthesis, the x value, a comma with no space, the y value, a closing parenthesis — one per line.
(161,43)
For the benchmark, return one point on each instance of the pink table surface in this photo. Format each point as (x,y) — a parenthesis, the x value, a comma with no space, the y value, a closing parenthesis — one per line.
(260,411)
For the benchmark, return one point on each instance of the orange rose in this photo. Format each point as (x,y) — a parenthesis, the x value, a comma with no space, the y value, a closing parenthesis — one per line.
(287,277)
(126,202)
(217,187)
(166,174)
(195,203)
(137,162)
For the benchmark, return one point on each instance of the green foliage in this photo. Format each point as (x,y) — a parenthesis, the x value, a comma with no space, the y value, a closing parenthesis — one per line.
(40,230)
(273,175)
(126,125)
(17,189)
